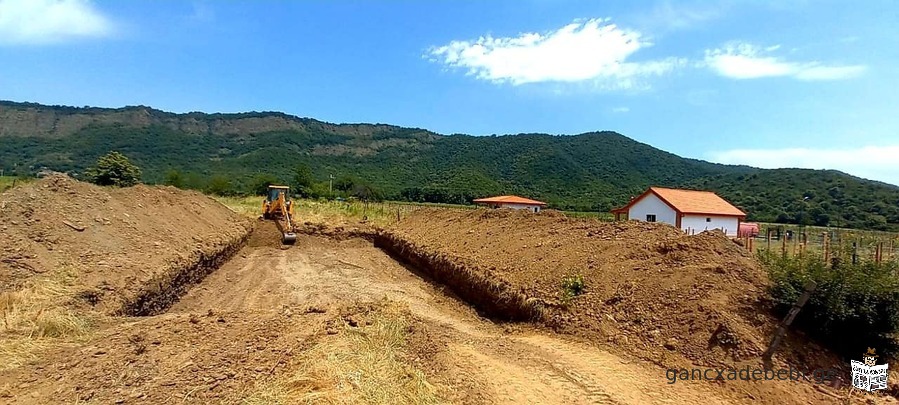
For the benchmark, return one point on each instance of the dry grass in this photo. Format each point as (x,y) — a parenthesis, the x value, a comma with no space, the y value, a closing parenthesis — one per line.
(333,212)
(362,364)
(35,317)
(8,182)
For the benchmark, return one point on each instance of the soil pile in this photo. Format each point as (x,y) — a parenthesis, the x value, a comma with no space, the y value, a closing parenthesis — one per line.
(647,287)
(109,248)
(197,357)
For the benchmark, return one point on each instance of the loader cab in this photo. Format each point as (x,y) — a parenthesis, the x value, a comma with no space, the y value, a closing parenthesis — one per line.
(275,191)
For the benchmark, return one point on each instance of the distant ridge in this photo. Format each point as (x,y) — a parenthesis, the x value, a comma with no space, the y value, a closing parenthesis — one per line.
(592,171)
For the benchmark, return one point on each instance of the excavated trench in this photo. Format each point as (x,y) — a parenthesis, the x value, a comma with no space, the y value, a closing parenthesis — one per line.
(493,298)
(162,292)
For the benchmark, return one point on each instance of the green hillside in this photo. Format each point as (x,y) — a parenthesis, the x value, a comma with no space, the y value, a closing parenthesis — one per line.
(591,172)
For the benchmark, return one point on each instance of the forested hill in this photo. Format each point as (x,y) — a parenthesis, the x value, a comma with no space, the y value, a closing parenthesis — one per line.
(233,153)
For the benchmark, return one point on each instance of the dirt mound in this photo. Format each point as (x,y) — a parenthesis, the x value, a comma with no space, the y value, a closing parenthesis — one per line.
(339,232)
(647,287)
(107,244)
(206,357)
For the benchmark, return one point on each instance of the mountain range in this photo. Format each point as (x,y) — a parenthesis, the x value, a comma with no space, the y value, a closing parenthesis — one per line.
(595,171)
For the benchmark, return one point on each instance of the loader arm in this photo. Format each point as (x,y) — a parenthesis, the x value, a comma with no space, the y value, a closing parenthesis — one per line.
(278,208)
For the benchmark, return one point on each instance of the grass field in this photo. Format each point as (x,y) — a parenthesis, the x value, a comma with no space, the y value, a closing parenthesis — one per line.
(7,182)
(376,213)
(336,212)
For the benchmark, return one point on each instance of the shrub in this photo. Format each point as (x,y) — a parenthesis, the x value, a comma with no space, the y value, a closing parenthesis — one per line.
(221,186)
(261,183)
(854,306)
(302,180)
(114,169)
(174,178)
(572,286)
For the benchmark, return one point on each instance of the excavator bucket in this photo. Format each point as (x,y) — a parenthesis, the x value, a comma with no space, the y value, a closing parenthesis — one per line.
(288,238)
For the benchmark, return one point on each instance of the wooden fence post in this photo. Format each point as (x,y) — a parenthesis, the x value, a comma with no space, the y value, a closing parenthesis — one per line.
(826,249)
(768,238)
(783,246)
(791,315)
(876,253)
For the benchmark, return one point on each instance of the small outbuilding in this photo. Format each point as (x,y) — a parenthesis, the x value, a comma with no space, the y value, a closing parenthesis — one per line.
(690,210)
(511,201)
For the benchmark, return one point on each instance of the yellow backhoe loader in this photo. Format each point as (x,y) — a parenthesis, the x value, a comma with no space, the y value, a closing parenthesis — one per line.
(278,207)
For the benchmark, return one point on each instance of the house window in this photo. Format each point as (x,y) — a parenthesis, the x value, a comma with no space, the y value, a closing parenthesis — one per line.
(650,217)
(708,220)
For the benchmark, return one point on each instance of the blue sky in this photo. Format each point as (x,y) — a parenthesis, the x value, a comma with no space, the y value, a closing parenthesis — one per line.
(766,83)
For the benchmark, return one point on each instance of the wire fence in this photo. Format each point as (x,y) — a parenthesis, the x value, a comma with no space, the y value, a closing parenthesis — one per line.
(826,243)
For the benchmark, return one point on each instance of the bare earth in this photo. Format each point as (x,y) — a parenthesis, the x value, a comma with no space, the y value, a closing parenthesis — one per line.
(244,325)
(479,362)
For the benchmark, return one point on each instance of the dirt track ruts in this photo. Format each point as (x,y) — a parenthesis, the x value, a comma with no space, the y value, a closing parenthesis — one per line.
(478,361)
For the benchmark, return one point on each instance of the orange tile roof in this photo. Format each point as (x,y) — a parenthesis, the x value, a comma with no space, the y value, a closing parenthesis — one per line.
(509,199)
(690,202)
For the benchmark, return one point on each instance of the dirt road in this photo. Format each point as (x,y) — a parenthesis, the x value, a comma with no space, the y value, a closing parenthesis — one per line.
(475,360)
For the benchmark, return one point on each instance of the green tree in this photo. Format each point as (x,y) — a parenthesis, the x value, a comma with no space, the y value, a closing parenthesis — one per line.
(114,169)
(366,192)
(302,180)
(261,183)
(174,178)
(344,183)
(220,185)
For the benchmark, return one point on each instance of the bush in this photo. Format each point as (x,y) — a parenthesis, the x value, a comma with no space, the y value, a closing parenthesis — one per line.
(174,178)
(855,306)
(114,169)
(572,286)
(261,183)
(302,181)
(221,186)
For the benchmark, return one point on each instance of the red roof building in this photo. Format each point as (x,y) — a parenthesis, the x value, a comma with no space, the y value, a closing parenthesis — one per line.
(692,211)
(511,201)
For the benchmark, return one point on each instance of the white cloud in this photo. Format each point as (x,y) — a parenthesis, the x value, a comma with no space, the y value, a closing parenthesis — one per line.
(621,110)
(584,51)
(747,61)
(49,21)
(667,15)
(871,162)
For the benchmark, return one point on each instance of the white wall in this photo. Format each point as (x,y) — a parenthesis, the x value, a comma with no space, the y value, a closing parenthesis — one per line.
(520,206)
(698,223)
(650,204)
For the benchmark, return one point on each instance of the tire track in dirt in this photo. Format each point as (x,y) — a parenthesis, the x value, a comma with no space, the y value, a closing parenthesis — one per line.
(622,381)
(514,383)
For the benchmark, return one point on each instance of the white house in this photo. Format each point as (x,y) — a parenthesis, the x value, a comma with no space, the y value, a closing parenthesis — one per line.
(690,210)
(511,201)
